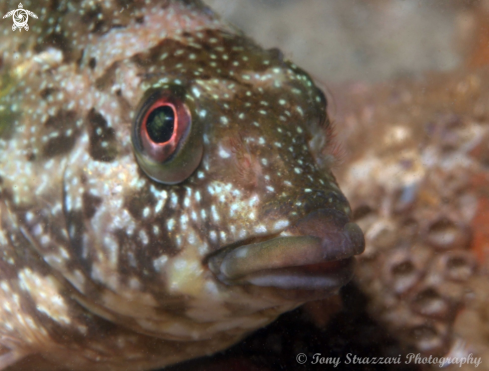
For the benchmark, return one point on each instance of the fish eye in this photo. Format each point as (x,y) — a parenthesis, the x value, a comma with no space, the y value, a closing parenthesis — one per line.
(166,139)
(159,124)
(160,131)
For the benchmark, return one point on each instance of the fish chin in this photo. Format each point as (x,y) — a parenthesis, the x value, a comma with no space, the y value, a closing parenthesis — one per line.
(314,257)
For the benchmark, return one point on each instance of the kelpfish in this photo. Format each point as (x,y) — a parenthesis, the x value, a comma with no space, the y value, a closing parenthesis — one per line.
(165,187)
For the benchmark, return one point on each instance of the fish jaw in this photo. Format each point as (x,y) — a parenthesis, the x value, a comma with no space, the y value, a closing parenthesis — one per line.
(312,258)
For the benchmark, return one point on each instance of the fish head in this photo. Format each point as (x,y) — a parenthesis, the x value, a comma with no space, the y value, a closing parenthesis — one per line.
(251,203)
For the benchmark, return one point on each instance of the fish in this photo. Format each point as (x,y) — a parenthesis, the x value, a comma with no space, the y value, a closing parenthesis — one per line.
(165,187)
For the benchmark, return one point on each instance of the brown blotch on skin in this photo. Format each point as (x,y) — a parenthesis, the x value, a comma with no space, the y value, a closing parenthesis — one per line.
(90,205)
(97,150)
(58,41)
(107,79)
(92,20)
(30,157)
(135,203)
(92,63)
(61,144)
(46,92)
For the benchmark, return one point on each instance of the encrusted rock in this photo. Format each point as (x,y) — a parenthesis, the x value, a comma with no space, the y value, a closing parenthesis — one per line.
(417,175)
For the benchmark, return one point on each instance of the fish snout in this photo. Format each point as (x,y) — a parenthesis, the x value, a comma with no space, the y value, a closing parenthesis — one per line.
(338,237)
(315,253)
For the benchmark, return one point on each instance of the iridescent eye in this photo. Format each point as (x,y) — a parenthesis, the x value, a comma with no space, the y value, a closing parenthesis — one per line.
(162,129)
(167,143)
(160,124)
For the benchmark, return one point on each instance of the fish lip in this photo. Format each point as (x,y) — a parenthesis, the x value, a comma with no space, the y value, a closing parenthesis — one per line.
(316,253)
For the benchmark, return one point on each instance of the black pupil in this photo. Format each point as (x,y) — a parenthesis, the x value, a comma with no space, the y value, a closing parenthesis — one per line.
(160,124)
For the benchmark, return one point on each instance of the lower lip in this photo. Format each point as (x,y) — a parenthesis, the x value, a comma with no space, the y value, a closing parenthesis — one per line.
(327,276)
(315,282)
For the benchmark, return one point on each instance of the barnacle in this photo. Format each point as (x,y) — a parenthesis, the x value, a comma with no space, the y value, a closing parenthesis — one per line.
(417,206)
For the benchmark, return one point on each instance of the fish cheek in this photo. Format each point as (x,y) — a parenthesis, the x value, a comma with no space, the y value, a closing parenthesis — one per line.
(137,255)
(75,221)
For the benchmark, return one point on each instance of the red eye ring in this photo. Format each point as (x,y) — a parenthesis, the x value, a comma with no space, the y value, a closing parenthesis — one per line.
(161,151)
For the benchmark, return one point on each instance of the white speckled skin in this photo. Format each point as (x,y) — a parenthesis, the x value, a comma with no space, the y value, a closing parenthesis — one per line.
(102,268)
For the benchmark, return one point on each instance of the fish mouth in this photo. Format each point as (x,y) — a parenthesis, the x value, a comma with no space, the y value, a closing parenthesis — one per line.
(314,254)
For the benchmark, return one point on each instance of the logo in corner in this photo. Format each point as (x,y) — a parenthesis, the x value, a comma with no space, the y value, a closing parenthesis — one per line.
(20,17)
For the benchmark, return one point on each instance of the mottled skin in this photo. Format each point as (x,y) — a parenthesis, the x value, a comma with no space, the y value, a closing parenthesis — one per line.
(101,267)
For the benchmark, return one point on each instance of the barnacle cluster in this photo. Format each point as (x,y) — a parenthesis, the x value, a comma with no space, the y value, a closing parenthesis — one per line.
(417,176)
